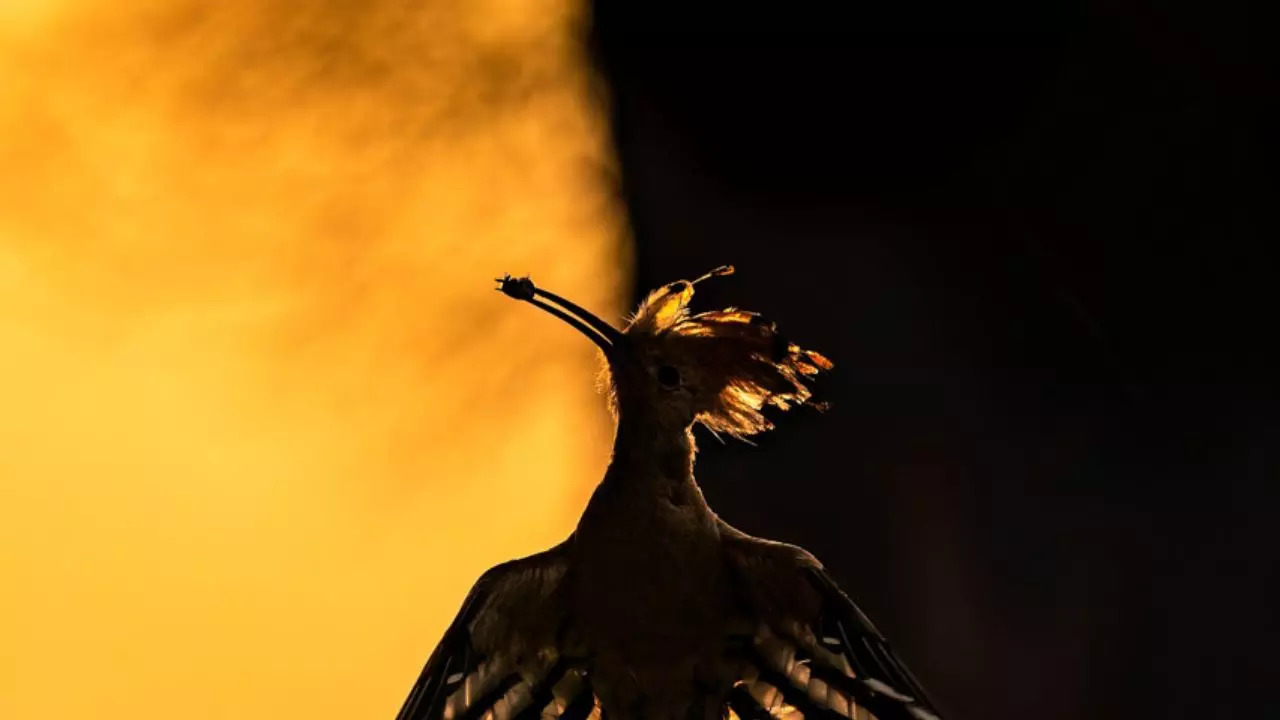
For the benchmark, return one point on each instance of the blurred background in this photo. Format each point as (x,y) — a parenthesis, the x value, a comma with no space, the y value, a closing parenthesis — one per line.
(1033,238)
(263,420)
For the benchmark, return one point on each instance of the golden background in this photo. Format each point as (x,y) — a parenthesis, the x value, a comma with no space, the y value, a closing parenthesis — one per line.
(263,419)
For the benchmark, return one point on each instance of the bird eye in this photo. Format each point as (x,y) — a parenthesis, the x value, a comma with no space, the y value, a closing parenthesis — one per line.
(668,376)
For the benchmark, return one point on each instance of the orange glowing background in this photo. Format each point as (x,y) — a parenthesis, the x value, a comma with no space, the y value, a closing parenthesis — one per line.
(263,420)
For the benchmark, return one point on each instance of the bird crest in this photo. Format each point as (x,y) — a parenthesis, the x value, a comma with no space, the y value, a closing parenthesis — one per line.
(740,360)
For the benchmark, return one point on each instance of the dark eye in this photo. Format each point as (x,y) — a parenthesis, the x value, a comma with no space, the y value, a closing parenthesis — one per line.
(668,376)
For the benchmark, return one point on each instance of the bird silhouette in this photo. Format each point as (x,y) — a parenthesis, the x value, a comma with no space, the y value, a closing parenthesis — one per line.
(654,608)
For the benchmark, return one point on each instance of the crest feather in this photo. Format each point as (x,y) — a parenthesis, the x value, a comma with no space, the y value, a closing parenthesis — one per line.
(743,363)
(662,309)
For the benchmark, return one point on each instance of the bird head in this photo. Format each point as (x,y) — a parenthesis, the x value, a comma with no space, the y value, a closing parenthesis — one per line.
(720,368)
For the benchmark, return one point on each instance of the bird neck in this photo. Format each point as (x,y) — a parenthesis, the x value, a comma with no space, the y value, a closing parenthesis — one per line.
(650,456)
(648,494)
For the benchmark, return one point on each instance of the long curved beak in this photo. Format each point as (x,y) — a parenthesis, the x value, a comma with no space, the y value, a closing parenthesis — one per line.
(598,331)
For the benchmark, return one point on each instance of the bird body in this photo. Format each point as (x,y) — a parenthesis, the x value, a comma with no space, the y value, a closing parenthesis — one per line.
(652,584)
(655,608)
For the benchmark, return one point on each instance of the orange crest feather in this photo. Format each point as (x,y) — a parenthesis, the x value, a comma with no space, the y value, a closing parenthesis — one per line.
(742,363)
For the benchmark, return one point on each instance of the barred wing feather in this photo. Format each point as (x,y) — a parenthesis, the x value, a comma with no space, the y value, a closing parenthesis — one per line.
(501,658)
(813,653)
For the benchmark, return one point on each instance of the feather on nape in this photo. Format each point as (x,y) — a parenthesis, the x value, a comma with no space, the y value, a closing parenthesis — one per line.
(744,363)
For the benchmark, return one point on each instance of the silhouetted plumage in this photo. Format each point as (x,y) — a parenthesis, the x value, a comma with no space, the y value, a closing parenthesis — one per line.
(655,608)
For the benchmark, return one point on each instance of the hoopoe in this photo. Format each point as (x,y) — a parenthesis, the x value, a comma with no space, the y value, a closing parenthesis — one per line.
(654,608)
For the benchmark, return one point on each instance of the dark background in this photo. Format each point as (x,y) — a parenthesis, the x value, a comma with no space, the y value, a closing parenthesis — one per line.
(1034,246)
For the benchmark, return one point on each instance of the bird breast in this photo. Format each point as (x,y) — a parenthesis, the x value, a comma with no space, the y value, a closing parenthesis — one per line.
(648,587)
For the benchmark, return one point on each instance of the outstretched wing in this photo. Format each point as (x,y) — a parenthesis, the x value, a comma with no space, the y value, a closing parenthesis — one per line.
(812,653)
(502,657)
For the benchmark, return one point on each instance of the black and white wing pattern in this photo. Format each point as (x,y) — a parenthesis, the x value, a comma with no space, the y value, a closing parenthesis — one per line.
(501,658)
(810,652)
